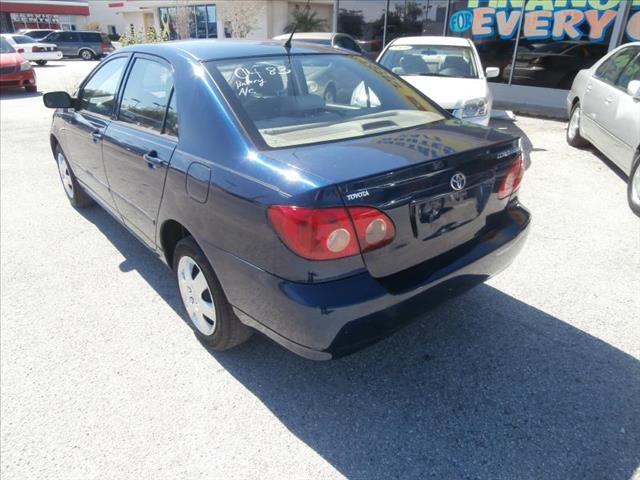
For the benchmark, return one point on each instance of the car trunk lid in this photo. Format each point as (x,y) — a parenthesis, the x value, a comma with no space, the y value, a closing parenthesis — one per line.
(408,175)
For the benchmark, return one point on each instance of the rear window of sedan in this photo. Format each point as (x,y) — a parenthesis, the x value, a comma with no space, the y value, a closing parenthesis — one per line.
(294,100)
(21,39)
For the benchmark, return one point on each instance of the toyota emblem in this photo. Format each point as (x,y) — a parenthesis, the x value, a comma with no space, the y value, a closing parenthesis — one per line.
(458,181)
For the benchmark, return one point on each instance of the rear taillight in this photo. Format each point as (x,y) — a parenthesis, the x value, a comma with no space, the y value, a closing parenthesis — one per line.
(512,178)
(21,50)
(37,49)
(330,233)
(105,46)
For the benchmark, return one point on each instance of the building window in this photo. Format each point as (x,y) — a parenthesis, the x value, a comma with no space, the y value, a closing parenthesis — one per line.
(556,44)
(201,19)
(495,46)
(632,30)
(415,17)
(363,20)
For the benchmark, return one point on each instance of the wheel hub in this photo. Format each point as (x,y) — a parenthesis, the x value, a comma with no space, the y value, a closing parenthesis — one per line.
(196,295)
(65,175)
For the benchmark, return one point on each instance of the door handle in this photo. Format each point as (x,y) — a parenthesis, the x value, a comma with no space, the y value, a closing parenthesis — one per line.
(608,100)
(152,159)
(96,136)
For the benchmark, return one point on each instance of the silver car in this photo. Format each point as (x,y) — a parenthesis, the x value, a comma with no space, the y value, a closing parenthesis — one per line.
(604,110)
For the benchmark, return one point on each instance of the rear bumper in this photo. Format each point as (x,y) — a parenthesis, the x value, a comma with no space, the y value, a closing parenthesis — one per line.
(327,320)
(37,56)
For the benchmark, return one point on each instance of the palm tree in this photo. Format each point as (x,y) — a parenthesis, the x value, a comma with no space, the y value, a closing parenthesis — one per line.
(304,20)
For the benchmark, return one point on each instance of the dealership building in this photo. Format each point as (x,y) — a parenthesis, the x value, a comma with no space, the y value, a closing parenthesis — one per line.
(538,45)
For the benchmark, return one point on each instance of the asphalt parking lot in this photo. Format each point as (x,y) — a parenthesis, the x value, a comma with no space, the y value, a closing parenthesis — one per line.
(533,375)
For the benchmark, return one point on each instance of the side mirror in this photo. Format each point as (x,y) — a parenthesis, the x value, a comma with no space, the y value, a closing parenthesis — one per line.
(634,89)
(58,100)
(492,72)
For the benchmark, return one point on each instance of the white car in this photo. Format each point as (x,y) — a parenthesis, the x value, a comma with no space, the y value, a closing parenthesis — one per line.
(447,70)
(33,50)
(604,110)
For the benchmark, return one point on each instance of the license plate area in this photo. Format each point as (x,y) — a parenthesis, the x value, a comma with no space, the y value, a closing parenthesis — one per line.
(445,213)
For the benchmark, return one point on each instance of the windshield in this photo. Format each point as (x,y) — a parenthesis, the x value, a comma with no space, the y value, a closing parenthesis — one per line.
(302,99)
(430,60)
(23,39)
(5,47)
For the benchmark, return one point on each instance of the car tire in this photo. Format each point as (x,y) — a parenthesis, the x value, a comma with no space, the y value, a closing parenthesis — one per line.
(77,196)
(41,62)
(86,54)
(210,314)
(633,188)
(31,88)
(573,128)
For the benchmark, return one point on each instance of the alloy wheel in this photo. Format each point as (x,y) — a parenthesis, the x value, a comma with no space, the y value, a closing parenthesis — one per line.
(196,295)
(65,175)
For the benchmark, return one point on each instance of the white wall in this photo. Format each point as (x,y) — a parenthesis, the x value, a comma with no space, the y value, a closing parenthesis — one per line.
(100,12)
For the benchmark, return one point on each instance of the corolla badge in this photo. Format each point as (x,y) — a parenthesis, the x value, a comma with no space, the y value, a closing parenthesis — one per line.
(458,181)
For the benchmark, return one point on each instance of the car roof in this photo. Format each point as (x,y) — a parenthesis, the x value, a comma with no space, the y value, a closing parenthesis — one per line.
(307,35)
(214,49)
(449,41)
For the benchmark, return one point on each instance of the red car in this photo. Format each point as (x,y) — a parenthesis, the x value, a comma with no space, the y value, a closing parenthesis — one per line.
(15,71)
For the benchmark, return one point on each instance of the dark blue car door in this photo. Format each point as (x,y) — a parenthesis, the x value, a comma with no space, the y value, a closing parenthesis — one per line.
(85,127)
(139,142)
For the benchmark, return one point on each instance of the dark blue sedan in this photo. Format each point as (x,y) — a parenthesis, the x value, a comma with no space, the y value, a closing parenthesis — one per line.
(323,222)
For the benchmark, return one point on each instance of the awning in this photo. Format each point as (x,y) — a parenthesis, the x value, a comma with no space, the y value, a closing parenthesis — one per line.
(53,7)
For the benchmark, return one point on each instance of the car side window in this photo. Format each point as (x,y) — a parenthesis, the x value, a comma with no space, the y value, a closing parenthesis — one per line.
(53,37)
(146,94)
(90,37)
(631,73)
(348,43)
(98,94)
(171,121)
(611,69)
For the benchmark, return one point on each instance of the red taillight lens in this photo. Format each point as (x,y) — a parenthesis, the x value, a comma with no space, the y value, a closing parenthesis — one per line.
(329,233)
(37,49)
(373,228)
(513,177)
(21,50)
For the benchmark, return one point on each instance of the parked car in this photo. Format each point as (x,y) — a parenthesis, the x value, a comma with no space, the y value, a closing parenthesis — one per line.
(325,227)
(15,71)
(553,64)
(86,45)
(447,70)
(35,33)
(337,40)
(33,50)
(604,110)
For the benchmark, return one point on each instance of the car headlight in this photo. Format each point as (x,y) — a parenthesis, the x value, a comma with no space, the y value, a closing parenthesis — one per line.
(24,66)
(477,107)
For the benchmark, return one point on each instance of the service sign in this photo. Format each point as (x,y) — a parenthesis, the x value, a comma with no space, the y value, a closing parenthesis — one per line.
(544,19)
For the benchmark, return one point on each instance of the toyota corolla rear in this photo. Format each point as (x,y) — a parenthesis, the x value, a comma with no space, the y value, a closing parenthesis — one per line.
(409,206)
